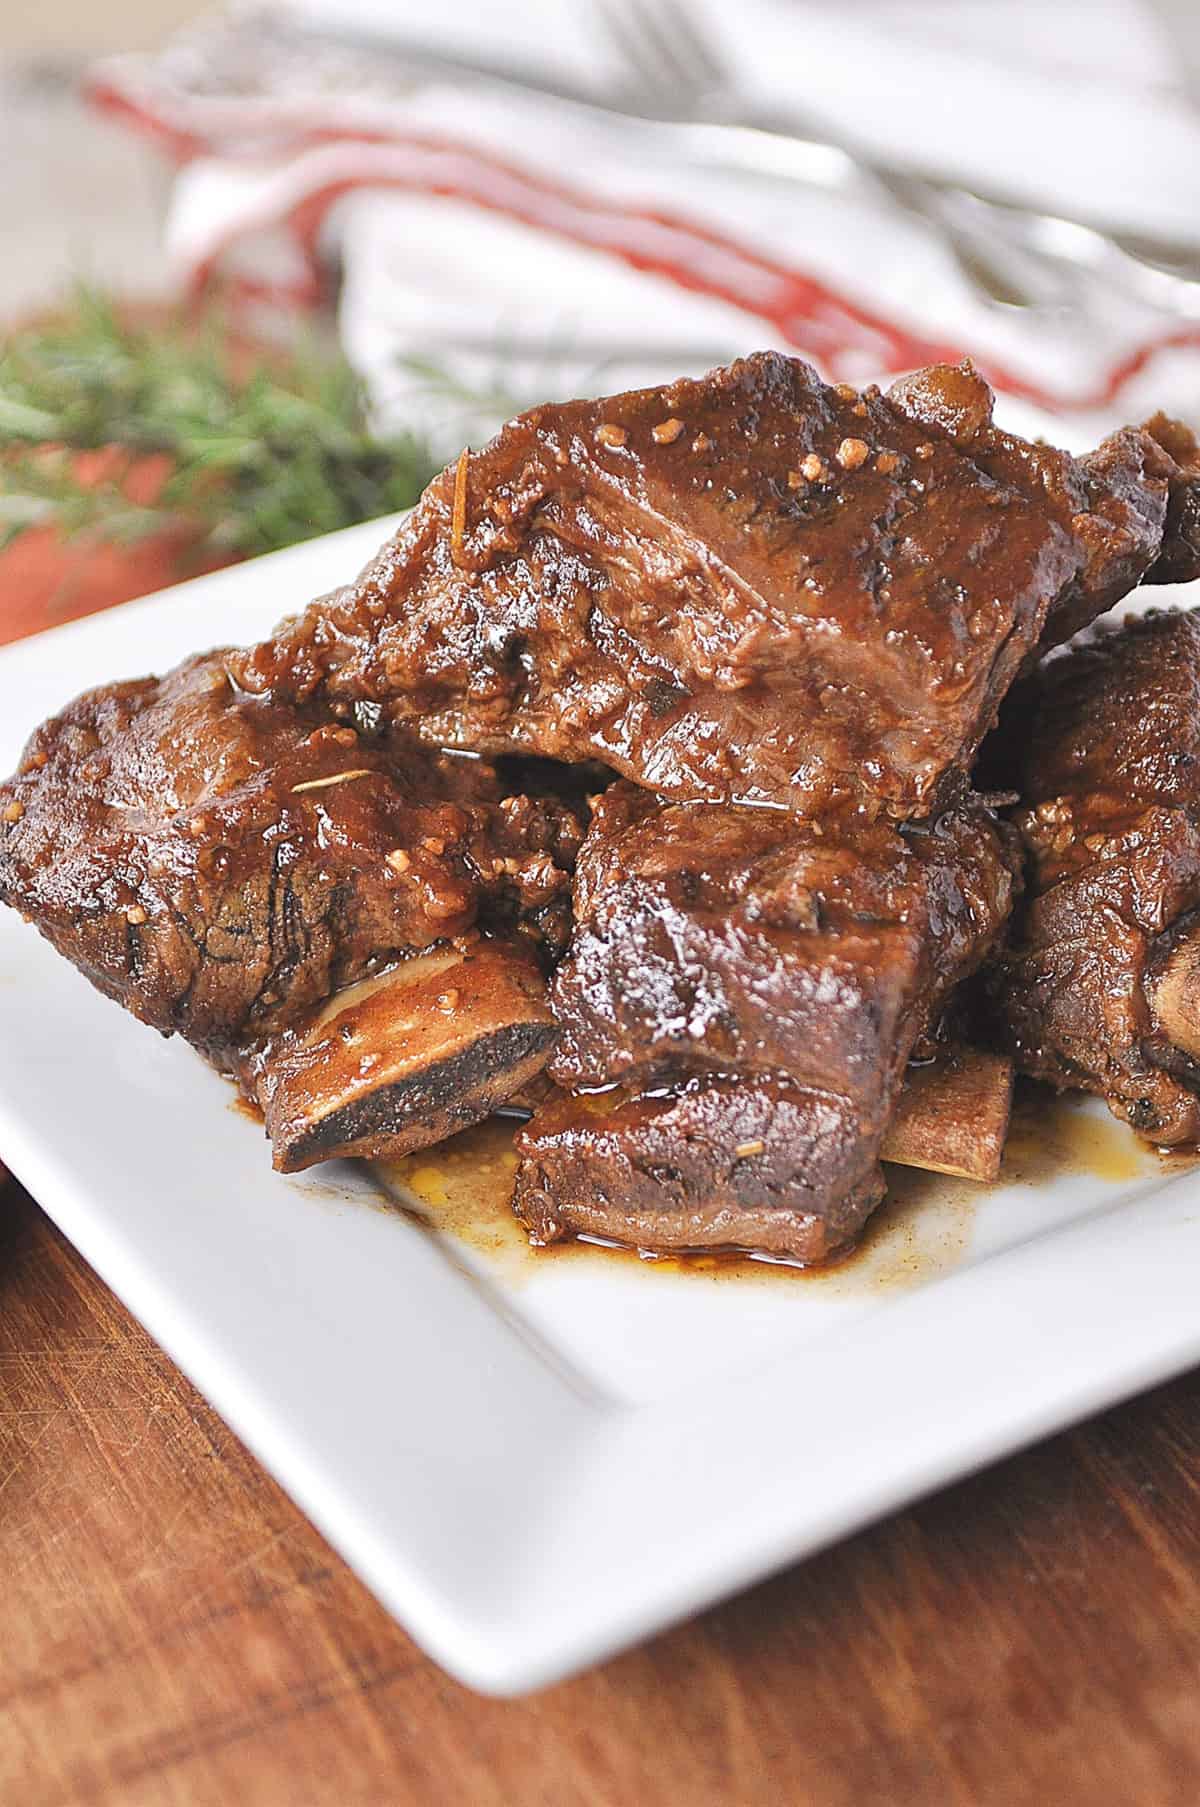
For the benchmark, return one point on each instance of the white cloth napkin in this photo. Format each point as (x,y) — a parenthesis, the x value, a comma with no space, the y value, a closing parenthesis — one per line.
(497,249)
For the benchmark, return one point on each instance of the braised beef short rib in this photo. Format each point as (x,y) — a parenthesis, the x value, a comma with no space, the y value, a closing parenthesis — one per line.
(1100,990)
(748,590)
(749,986)
(224,867)
(750,587)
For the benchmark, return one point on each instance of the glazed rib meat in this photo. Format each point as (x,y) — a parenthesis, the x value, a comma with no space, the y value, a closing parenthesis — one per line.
(223,867)
(748,587)
(1099,991)
(747,987)
(785,615)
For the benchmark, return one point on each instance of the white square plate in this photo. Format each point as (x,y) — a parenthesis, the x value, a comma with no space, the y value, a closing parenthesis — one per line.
(530,1464)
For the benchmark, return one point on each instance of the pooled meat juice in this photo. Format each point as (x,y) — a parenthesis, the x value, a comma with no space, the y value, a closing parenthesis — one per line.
(751,589)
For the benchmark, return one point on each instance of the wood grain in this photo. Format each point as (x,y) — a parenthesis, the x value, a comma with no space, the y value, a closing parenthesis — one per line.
(176,1635)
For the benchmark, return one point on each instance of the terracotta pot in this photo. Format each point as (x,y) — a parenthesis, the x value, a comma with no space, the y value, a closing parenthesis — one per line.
(46,579)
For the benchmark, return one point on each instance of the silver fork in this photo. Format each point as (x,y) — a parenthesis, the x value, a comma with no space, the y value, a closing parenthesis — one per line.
(1161,275)
(664,47)
(1010,254)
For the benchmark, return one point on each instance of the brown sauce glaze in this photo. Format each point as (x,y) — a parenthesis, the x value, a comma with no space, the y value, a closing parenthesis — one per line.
(461,1189)
(1055,1134)
(750,586)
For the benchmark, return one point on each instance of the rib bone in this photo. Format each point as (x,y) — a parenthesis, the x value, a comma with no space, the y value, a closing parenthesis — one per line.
(405,1058)
(952,1116)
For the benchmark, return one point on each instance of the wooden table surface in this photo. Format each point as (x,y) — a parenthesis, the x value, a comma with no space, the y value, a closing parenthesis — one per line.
(176,1633)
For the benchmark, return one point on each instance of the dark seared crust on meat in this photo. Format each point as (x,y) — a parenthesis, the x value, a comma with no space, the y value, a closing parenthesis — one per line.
(1179,560)
(1115,719)
(220,865)
(1111,781)
(1132,505)
(752,589)
(749,980)
(718,1162)
(752,586)
(744,939)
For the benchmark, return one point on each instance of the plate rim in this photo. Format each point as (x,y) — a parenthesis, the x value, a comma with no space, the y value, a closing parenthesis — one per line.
(598,1579)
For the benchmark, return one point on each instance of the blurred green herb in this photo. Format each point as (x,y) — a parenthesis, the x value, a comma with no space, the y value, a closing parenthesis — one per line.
(254,459)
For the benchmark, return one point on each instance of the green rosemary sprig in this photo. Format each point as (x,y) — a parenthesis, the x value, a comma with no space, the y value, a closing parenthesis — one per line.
(253,461)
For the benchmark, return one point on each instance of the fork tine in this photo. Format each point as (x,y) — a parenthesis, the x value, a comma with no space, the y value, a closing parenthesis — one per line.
(623,38)
(673,64)
(647,54)
(692,41)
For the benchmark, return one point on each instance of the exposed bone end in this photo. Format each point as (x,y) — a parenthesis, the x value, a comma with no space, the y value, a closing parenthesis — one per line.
(405,1058)
(1175,995)
(952,1116)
